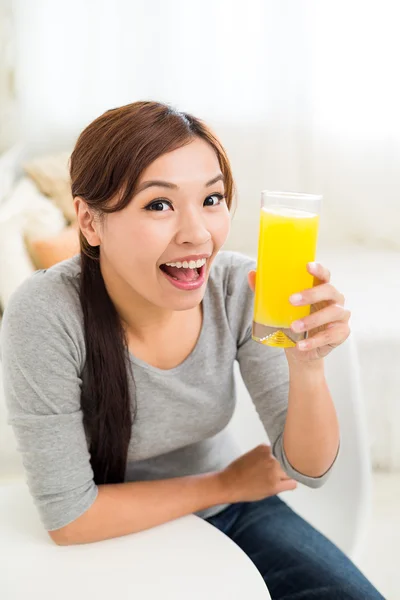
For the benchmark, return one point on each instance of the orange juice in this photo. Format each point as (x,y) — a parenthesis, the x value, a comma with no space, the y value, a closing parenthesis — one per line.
(287,242)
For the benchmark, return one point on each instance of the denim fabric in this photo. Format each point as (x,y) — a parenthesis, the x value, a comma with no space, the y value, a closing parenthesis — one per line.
(296,561)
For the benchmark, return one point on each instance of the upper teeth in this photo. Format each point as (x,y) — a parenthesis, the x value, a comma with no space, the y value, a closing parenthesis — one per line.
(192,264)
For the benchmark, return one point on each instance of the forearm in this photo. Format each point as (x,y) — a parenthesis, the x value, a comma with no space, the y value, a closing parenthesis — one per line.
(125,508)
(311,434)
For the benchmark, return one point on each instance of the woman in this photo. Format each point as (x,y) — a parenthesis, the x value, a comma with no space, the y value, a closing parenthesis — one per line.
(118,363)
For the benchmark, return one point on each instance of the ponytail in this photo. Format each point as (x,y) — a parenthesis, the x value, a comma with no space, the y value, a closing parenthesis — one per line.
(106,405)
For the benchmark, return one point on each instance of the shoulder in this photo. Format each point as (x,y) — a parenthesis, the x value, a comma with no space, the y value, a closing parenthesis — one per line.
(48,287)
(230,270)
(45,304)
(228,280)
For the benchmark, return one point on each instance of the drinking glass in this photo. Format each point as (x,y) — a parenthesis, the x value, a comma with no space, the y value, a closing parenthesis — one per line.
(288,235)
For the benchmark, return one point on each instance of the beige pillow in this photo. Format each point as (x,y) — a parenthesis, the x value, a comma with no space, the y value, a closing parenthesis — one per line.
(51,175)
(50,250)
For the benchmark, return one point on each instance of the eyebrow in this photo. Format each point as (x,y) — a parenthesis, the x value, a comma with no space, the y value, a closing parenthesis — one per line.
(172,186)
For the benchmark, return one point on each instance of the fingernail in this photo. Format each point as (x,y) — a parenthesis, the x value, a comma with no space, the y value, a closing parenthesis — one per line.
(296,298)
(302,345)
(313,266)
(298,325)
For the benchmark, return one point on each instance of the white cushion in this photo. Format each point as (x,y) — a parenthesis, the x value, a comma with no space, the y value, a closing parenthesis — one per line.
(25,212)
(8,169)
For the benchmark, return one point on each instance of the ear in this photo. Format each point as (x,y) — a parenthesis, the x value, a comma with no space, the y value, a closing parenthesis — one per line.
(86,222)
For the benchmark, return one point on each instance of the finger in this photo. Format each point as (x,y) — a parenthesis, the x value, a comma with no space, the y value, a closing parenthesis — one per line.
(285,486)
(285,477)
(266,448)
(319,271)
(252,280)
(332,313)
(332,336)
(279,472)
(319,293)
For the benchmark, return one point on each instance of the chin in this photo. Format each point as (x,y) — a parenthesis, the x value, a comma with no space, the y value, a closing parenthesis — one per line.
(187,301)
(190,303)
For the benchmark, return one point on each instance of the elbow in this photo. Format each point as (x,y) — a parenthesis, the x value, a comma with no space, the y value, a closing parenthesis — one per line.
(62,536)
(320,480)
(59,541)
(57,538)
(312,479)
(75,532)
(315,478)
(315,482)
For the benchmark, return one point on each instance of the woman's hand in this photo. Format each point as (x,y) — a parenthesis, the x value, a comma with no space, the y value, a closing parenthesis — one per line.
(254,476)
(328,323)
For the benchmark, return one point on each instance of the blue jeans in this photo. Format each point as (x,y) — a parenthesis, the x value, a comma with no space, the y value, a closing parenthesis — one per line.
(296,561)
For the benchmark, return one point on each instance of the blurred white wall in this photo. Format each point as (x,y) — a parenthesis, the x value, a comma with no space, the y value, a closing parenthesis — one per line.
(7,89)
(303,94)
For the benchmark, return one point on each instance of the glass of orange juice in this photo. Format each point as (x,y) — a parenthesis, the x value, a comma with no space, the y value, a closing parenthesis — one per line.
(289,224)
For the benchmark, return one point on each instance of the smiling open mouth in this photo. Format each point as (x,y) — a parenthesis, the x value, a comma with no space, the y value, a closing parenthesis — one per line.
(186,271)
(186,275)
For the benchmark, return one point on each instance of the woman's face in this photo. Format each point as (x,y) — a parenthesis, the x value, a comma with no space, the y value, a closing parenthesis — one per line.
(178,215)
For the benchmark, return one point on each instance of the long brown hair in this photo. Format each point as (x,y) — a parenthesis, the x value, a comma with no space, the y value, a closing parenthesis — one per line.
(107,162)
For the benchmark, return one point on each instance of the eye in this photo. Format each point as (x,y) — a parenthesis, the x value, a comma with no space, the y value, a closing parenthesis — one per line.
(159,206)
(214,200)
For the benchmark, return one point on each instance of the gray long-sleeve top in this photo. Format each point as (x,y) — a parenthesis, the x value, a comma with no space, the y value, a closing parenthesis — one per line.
(182,413)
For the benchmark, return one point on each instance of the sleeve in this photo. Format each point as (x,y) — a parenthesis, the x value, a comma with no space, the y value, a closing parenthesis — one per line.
(41,357)
(264,369)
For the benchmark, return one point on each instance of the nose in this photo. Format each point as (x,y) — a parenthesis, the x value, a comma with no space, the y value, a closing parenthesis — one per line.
(192,228)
